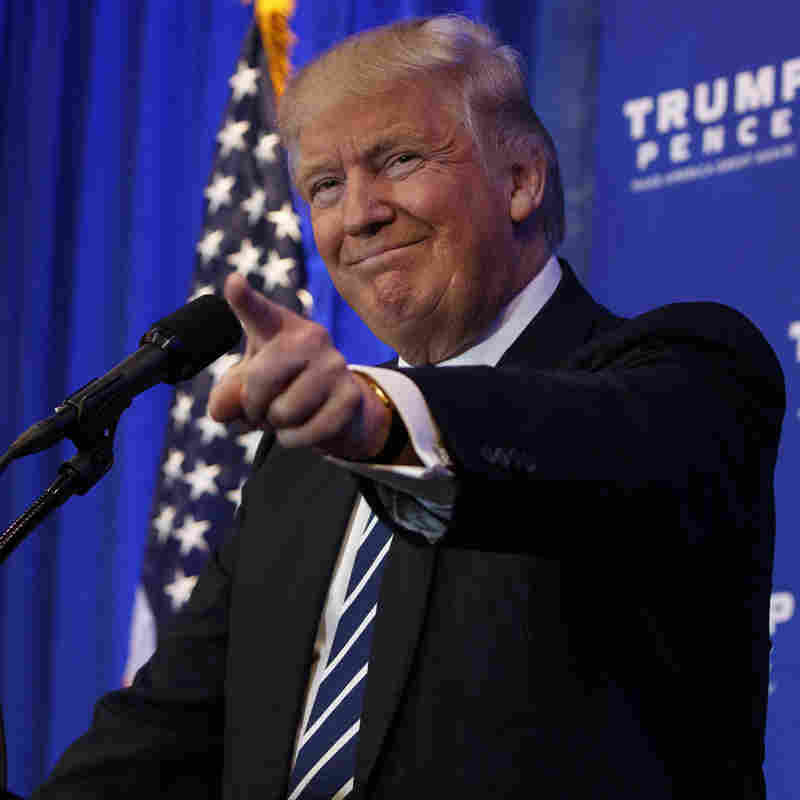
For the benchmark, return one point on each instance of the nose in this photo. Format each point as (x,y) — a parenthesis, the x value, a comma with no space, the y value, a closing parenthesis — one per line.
(366,210)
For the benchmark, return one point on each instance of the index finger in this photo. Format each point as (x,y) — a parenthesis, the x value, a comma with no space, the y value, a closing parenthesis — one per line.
(260,317)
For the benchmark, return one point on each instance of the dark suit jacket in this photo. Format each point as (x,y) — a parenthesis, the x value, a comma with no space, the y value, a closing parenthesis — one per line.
(593,625)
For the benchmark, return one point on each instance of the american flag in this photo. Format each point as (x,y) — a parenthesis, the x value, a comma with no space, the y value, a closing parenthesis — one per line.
(249,227)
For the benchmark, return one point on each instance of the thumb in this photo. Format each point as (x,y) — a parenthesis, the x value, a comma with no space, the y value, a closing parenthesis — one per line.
(225,398)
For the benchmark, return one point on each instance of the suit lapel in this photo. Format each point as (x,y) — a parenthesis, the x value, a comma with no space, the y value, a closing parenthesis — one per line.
(569,319)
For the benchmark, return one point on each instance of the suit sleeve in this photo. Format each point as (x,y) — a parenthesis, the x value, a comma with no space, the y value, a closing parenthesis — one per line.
(684,401)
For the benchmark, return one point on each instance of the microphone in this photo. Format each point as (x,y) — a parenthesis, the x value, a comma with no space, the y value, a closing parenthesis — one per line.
(174,349)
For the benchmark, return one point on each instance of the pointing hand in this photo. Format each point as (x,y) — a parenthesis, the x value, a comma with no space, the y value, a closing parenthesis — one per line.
(294,381)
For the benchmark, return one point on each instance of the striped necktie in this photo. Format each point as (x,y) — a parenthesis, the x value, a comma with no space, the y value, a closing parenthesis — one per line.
(325,762)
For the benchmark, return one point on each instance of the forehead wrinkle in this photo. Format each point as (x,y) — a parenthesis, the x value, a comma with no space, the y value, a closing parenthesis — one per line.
(391,137)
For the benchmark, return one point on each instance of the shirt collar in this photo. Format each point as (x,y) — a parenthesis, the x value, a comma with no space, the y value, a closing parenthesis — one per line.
(513,318)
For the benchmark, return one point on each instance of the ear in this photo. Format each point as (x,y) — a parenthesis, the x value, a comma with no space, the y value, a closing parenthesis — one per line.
(527,191)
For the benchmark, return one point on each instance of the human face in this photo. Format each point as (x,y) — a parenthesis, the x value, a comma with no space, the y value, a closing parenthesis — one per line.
(413,228)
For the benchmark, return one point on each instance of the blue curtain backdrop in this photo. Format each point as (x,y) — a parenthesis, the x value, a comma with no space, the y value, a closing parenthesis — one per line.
(108,117)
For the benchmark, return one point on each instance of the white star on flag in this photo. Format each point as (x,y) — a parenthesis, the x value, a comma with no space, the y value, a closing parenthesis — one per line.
(180,589)
(210,429)
(219,367)
(172,466)
(247,258)
(244,81)
(265,150)
(181,411)
(276,271)
(219,192)
(190,534)
(250,443)
(208,246)
(163,523)
(231,137)
(286,222)
(794,333)
(201,479)
(254,205)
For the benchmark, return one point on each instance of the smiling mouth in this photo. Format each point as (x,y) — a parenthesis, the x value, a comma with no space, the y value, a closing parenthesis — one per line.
(369,257)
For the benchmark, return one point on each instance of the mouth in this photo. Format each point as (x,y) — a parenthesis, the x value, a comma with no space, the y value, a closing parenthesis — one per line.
(376,254)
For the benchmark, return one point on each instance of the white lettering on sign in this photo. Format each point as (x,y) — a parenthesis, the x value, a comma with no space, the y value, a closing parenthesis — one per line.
(780,124)
(746,131)
(794,333)
(686,124)
(679,148)
(646,153)
(672,108)
(706,112)
(781,609)
(790,79)
(636,111)
(713,140)
(754,91)
(706,169)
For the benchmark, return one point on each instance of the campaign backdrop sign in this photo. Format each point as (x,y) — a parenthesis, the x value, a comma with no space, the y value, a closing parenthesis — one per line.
(697,198)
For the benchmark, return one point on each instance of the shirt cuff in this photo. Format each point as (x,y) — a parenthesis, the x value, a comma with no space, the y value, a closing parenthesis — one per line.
(431,487)
(413,410)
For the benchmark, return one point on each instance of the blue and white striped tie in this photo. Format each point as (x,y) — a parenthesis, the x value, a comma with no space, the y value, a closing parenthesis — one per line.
(325,762)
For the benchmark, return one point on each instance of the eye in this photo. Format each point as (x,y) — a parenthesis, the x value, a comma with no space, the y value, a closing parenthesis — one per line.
(402,164)
(324,192)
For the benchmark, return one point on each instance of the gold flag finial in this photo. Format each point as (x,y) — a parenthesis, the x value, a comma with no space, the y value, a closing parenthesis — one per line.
(273,22)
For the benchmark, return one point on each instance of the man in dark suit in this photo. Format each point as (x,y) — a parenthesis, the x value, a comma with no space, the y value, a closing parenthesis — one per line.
(562,489)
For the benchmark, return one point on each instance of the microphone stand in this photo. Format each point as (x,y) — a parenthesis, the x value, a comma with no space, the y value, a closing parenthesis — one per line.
(76,476)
